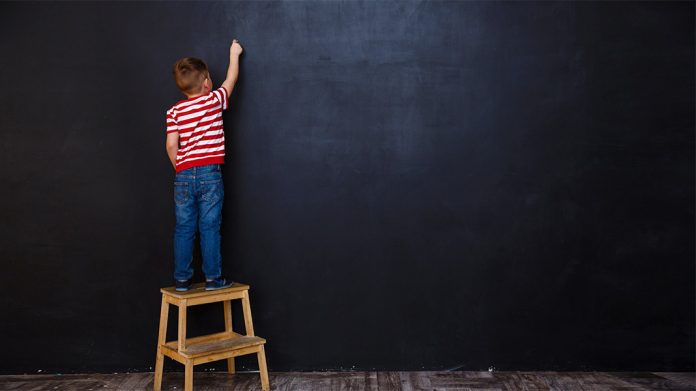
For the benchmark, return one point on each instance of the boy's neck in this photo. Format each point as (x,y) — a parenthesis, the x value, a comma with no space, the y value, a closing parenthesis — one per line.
(201,93)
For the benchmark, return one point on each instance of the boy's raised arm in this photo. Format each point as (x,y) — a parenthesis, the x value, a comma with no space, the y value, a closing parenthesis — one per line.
(233,69)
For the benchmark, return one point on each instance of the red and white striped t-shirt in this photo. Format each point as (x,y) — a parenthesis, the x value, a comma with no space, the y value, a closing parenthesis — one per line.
(199,123)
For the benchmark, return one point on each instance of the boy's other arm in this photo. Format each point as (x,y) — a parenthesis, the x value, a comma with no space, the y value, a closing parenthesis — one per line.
(233,69)
(172,146)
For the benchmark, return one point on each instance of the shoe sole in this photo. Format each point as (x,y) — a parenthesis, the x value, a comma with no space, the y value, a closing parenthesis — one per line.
(222,287)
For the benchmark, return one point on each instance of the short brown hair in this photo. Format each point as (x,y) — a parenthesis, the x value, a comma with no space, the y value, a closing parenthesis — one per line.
(189,73)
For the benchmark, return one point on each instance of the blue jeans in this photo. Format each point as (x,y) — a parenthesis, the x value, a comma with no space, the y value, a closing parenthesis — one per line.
(198,195)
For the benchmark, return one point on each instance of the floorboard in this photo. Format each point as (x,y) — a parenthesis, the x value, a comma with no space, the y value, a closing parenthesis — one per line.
(372,381)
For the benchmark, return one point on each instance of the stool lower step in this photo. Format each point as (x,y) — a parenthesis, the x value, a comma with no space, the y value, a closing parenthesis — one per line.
(229,343)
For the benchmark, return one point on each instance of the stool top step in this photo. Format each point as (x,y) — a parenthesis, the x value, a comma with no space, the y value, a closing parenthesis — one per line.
(198,290)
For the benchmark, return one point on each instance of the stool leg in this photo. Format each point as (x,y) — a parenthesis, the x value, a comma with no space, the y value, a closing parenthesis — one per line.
(182,325)
(248,324)
(261,355)
(188,377)
(159,362)
(228,327)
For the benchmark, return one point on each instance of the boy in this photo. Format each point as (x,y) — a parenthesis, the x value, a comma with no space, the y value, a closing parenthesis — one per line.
(196,148)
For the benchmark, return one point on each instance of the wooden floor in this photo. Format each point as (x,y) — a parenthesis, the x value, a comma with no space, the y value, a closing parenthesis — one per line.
(448,380)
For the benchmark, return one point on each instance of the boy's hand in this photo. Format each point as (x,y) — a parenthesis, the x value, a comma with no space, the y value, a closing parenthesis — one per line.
(235,48)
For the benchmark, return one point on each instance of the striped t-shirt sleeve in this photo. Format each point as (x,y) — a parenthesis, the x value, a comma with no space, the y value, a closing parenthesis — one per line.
(221,95)
(171,123)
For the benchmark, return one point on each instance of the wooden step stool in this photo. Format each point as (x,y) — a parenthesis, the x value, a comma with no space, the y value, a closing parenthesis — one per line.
(207,348)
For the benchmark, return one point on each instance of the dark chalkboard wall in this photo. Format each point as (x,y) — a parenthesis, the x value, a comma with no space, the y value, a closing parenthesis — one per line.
(409,185)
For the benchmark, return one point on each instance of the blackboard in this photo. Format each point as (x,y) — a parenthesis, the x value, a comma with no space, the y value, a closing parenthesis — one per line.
(408,185)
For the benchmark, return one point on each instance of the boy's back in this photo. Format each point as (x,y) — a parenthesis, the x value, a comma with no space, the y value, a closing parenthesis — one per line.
(198,121)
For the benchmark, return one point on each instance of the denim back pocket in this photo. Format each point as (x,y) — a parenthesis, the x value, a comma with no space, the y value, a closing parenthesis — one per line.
(181,192)
(212,189)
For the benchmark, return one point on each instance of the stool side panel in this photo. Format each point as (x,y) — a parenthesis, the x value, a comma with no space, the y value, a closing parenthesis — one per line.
(215,298)
(198,290)
(224,355)
(173,354)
